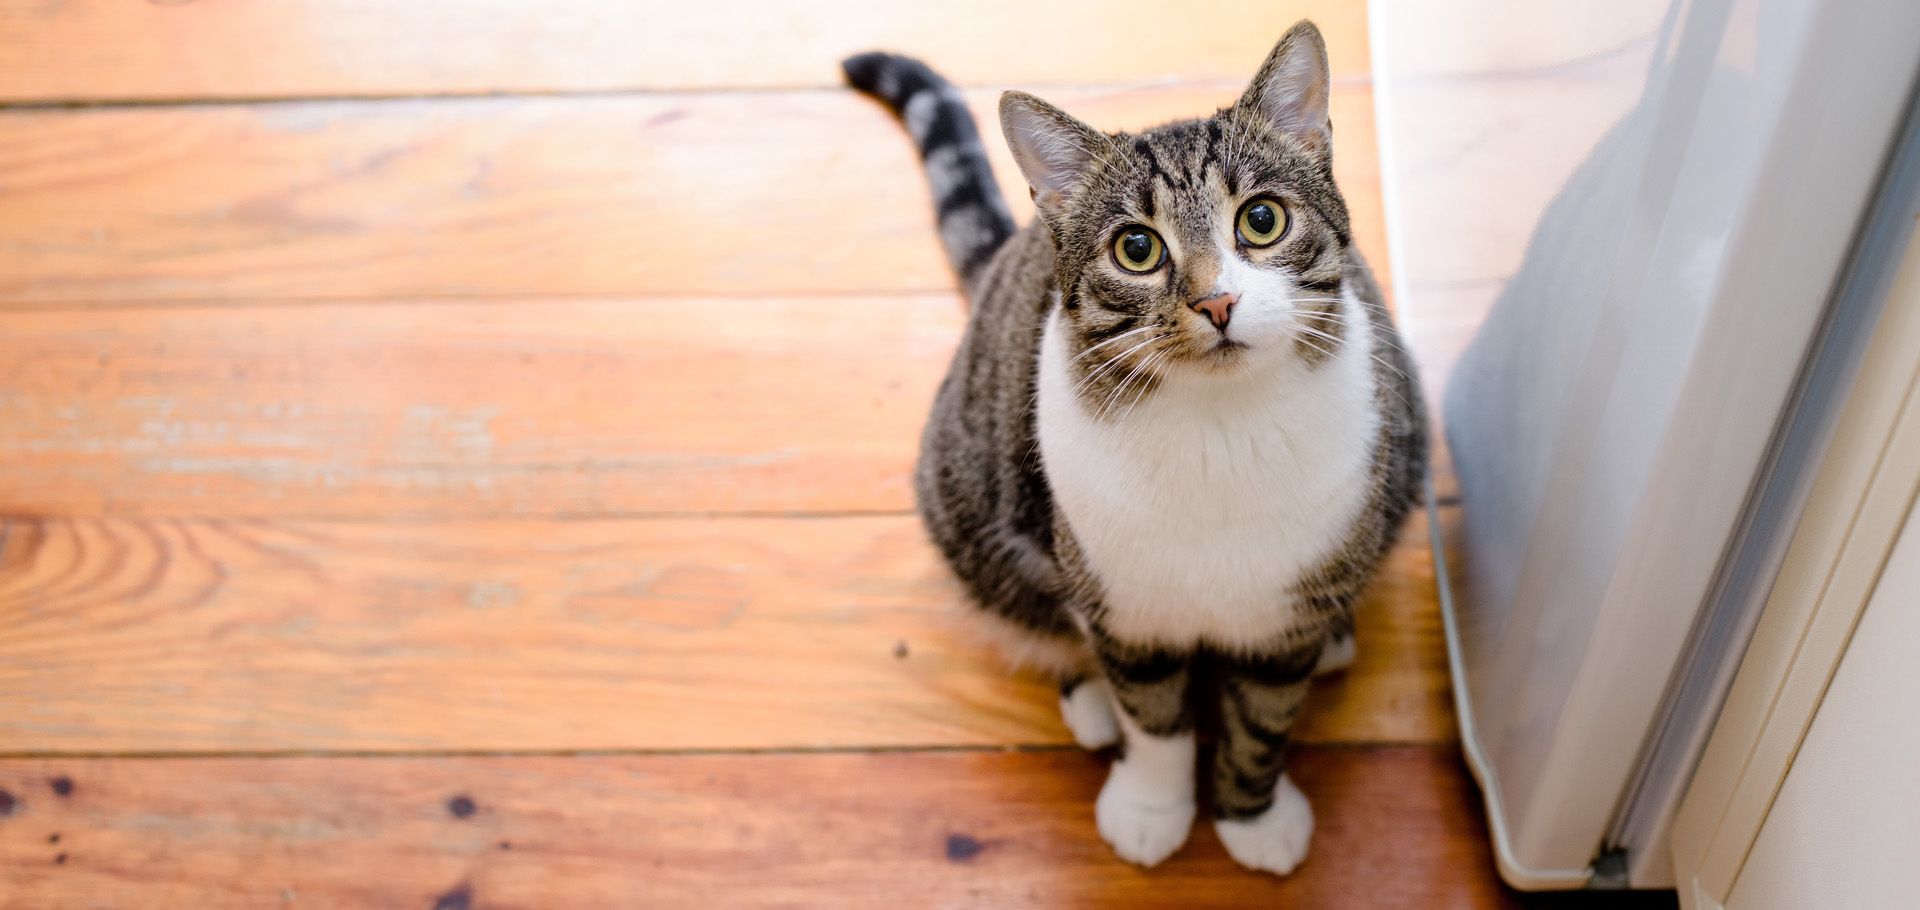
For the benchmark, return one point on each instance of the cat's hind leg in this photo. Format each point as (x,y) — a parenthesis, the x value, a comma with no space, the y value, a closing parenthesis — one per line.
(1086,705)
(1336,655)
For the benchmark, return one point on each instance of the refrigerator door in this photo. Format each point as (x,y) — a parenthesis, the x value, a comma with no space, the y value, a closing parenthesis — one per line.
(1636,211)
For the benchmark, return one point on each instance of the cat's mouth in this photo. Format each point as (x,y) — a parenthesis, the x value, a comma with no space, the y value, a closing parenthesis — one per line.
(1213,353)
(1222,352)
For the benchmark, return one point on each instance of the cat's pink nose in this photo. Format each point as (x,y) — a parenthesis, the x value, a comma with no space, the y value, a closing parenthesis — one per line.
(1218,308)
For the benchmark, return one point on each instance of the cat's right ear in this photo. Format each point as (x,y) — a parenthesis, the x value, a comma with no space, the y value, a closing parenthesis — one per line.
(1054,151)
(1290,92)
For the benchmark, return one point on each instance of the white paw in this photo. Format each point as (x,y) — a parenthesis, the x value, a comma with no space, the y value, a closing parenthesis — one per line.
(1088,712)
(1336,656)
(1143,824)
(1275,840)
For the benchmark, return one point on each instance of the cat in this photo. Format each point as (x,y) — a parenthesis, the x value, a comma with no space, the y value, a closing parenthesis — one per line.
(1178,436)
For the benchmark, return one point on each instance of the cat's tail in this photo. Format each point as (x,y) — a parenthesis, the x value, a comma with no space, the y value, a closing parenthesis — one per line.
(973,216)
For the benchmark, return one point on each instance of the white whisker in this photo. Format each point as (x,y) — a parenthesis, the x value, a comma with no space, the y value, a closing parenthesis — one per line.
(1150,363)
(1334,318)
(1088,383)
(1120,387)
(1323,351)
(1107,406)
(1319,334)
(1126,334)
(1376,359)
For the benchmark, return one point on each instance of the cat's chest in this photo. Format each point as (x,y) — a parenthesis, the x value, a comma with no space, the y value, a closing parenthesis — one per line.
(1202,508)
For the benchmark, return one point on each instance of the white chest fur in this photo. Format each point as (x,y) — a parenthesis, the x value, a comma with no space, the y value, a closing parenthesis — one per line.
(1201,507)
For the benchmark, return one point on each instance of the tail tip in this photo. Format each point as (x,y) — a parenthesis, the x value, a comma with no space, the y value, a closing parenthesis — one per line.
(890,77)
(863,71)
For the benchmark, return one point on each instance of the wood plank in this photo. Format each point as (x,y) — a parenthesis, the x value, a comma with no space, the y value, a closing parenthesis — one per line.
(1395,827)
(269,636)
(542,407)
(439,409)
(99,49)
(673,194)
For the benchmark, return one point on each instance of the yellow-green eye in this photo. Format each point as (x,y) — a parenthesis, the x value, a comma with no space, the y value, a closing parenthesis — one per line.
(1262,221)
(1138,249)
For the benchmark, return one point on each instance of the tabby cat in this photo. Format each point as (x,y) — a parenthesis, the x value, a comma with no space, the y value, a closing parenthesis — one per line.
(1178,435)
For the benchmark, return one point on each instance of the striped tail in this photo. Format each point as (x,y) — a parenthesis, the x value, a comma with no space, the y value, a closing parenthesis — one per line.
(973,217)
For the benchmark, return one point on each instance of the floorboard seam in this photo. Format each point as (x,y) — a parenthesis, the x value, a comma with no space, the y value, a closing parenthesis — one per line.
(1010,748)
(188,102)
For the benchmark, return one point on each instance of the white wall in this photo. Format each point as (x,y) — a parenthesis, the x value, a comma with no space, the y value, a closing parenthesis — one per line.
(1844,830)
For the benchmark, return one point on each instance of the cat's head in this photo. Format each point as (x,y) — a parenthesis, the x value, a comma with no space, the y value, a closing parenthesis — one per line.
(1200,245)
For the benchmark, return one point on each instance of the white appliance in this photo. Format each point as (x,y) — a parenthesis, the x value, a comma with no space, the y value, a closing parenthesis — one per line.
(1665,228)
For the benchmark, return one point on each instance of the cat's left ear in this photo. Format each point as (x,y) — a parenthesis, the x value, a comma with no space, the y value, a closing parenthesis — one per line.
(1291,90)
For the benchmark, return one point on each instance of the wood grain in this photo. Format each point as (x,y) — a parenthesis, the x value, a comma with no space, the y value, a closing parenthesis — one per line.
(1395,827)
(671,194)
(440,409)
(268,636)
(100,49)
(526,408)
(340,416)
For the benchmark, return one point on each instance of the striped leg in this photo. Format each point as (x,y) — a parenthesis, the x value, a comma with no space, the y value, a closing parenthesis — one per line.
(1261,817)
(1146,808)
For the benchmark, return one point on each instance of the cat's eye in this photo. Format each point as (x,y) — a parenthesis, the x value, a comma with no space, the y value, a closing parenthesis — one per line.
(1261,222)
(1138,249)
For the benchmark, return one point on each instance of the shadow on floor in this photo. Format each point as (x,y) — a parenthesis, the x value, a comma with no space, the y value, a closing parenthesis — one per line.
(1600,900)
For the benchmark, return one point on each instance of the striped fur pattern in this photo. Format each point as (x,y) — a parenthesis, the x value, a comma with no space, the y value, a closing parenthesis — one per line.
(1174,471)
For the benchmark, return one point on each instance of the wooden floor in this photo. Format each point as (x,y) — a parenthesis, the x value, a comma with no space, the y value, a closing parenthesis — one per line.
(458,459)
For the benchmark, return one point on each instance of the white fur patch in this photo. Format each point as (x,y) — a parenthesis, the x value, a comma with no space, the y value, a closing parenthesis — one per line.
(1146,808)
(1088,712)
(1336,656)
(1275,840)
(1264,317)
(1201,507)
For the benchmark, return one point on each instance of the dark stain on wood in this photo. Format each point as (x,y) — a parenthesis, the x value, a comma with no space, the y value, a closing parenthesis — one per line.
(53,838)
(60,860)
(461,806)
(7,804)
(900,650)
(961,848)
(460,898)
(505,845)
(62,785)
(1399,826)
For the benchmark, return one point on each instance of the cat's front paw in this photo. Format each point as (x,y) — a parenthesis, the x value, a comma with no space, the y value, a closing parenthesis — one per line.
(1275,840)
(1088,712)
(1144,824)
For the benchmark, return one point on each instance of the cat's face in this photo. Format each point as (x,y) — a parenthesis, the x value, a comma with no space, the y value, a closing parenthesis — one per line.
(1204,245)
